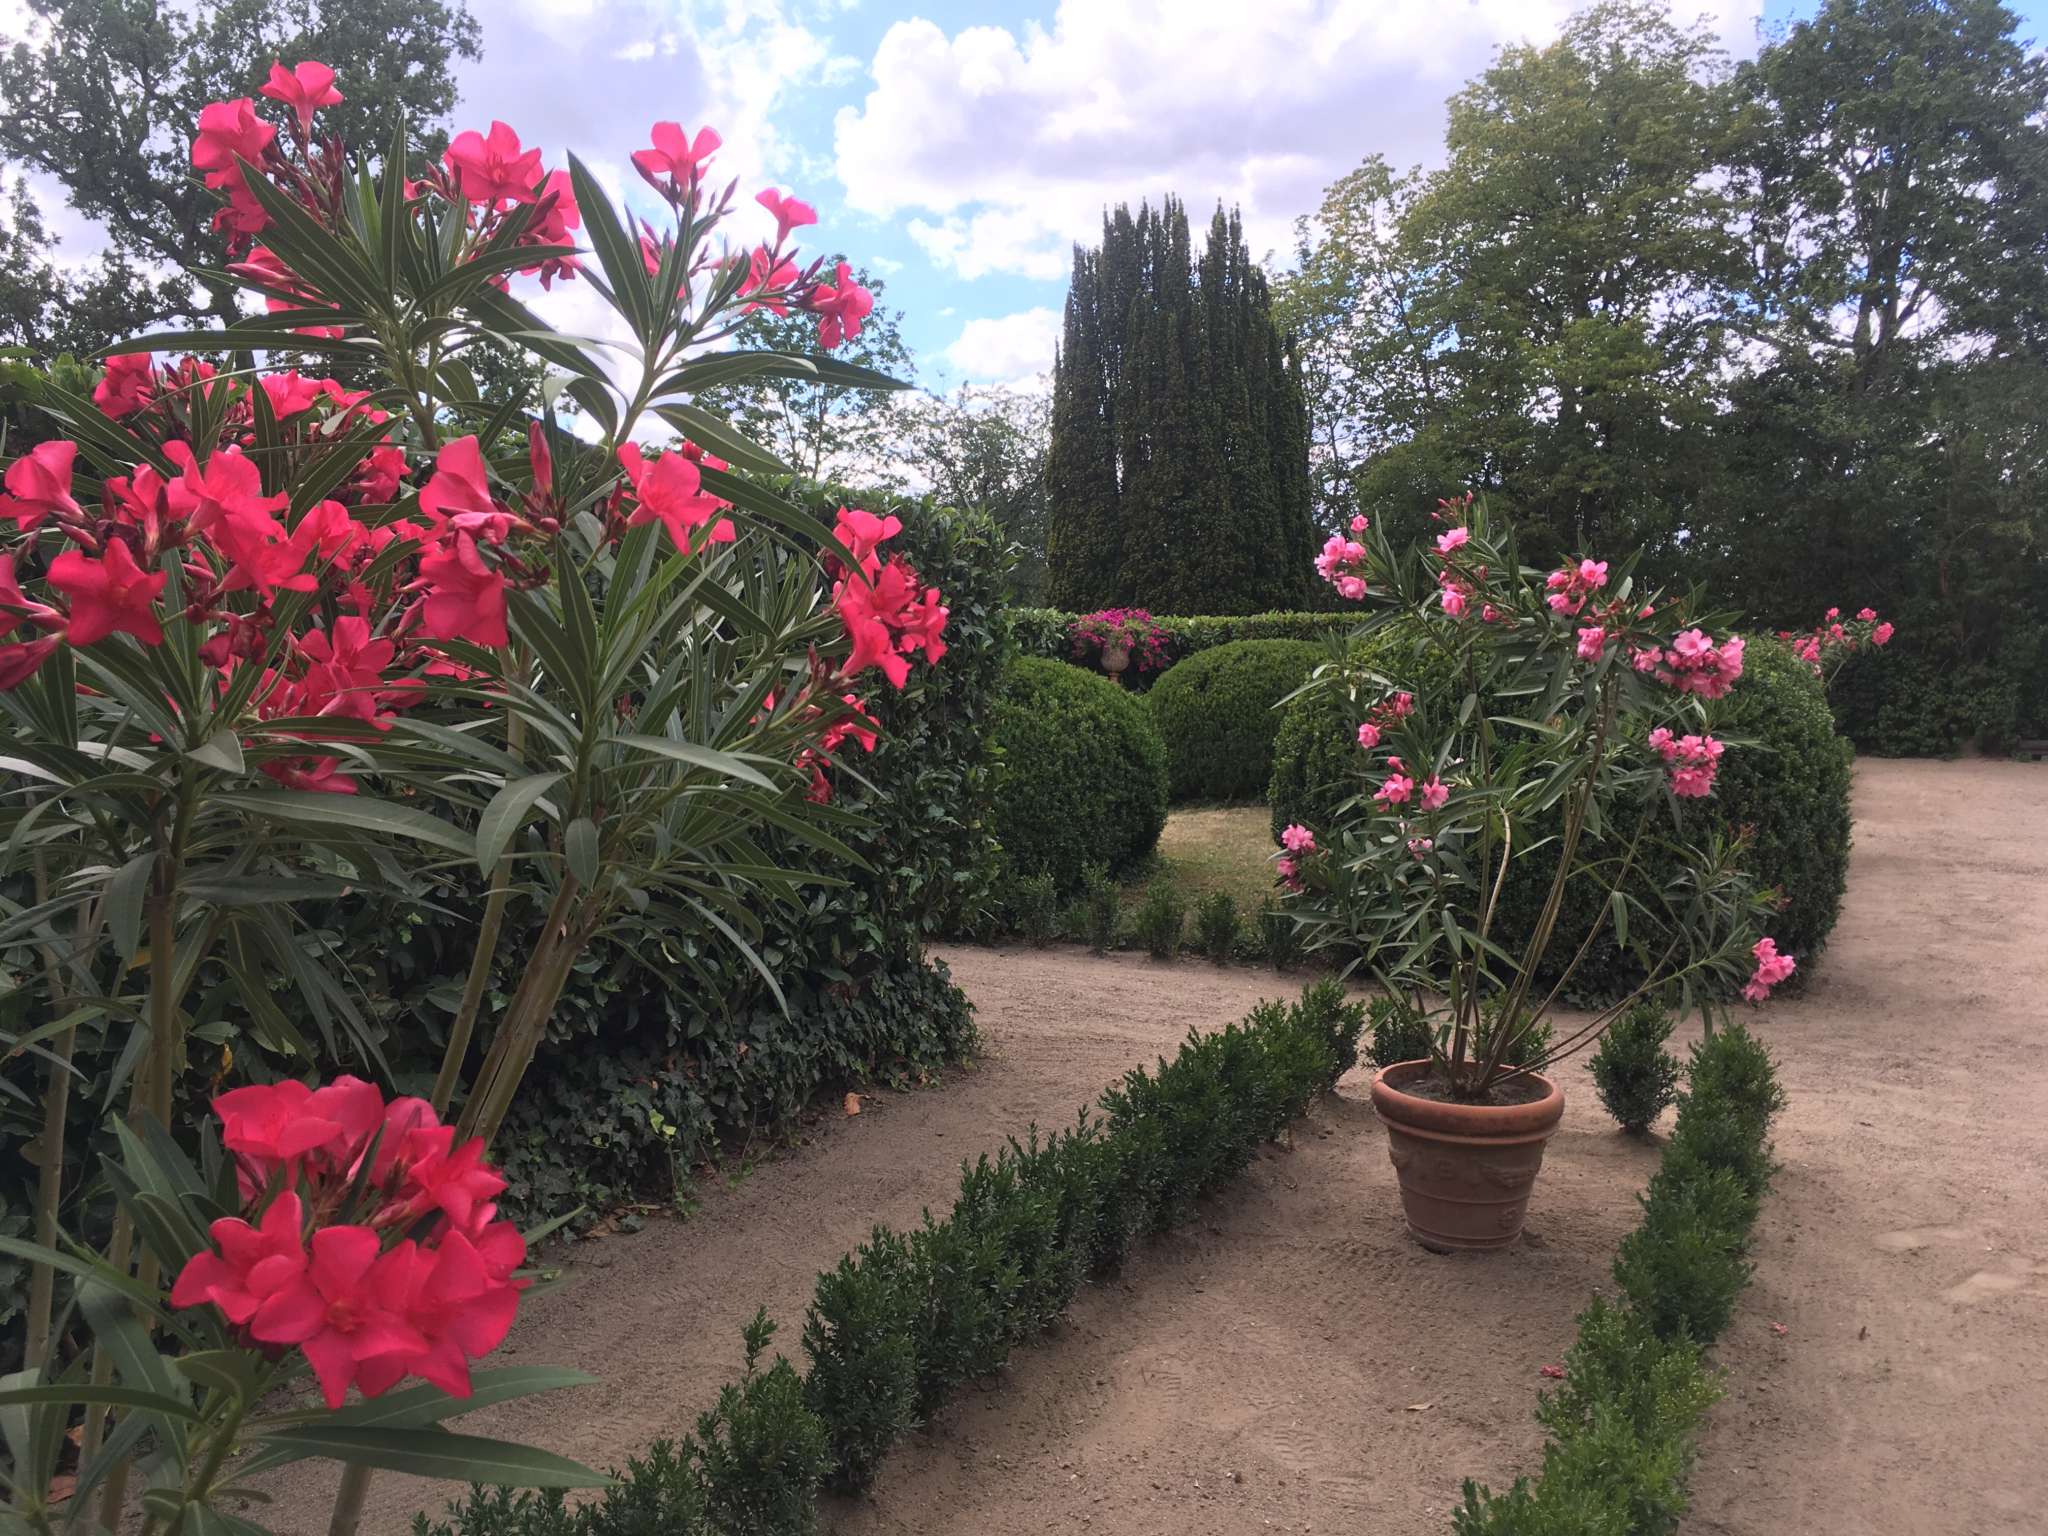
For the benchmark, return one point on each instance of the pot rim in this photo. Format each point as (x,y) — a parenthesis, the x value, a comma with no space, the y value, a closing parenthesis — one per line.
(1476,1120)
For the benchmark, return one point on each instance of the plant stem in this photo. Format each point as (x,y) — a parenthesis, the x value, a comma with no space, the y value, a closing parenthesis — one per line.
(527,1016)
(50,1177)
(486,951)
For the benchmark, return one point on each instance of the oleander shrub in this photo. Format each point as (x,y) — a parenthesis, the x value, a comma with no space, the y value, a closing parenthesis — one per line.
(1787,785)
(1161,919)
(1084,773)
(1217,926)
(1217,712)
(1633,1073)
(1399,1031)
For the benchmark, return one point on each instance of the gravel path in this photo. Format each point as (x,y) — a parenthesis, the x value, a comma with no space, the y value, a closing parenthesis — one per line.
(1291,1362)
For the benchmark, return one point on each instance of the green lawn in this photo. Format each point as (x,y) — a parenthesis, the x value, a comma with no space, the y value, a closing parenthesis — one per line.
(1213,848)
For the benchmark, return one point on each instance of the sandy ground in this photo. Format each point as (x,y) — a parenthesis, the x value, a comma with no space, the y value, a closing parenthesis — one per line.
(1291,1362)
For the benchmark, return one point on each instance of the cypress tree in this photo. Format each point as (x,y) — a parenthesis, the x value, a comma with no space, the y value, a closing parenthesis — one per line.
(1178,476)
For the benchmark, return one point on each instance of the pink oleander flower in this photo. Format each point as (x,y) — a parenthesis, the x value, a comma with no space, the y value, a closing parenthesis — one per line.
(1289,874)
(789,213)
(305,88)
(1419,847)
(1571,587)
(1771,969)
(1298,839)
(229,131)
(1360,524)
(1592,641)
(494,169)
(1368,735)
(675,154)
(1396,790)
(841,307)
(1455,599)
(1863,614)
(39,484)
(1693,762)
(1452,539)
(1434,793)
(1881,634)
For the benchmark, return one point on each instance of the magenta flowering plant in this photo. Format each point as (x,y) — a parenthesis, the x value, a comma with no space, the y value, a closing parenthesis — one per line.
(1828,646)
(267,637)
(1132,630)
(1538,706)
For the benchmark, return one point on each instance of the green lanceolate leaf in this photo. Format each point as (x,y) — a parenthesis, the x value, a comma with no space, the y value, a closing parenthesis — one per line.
(506,813)
(579,842)
(436,1453)
(307,808)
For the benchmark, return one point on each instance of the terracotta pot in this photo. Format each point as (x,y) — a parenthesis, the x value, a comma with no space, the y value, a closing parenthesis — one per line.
(1115,658)
(1465,1169)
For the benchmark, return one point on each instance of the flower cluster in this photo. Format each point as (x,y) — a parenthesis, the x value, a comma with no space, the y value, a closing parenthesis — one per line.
(368,1241)
(1299,843)
(1692,663)
(1693,762)
(1771,968)
(1384,716)
(886,608)
(1835,639)
(1133,629)
(238,552)
(1571,587)
(1343,562)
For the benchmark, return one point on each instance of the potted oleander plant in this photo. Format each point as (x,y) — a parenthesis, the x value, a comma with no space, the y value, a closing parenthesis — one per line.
(1557,719)
(1116,639)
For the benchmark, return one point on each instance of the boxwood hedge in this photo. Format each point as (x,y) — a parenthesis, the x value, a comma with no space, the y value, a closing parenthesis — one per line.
(1217,713)
(1083,773)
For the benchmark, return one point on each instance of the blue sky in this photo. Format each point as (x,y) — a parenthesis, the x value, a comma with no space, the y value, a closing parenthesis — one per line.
(956,149)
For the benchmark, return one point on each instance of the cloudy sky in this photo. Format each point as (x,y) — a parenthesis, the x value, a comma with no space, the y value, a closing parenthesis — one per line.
(956,148)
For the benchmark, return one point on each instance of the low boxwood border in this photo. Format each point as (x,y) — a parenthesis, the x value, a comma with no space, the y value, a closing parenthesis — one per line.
(1618,1458)
(906,1319)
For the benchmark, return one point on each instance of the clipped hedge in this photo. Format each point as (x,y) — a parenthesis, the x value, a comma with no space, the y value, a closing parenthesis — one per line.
(1618,1458)
(1084,773)
(1044,632)
(905,1320)
(1788,784)
(1217,713)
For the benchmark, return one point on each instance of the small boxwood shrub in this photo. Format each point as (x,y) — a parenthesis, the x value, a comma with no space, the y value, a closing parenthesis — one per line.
(1788,787)
(1399,1032)
(1034,902)
(1101,907)
(1636,1077)
(1217,714)
(1620,1449)
(1162,919)
(1217,926)
(1084,773)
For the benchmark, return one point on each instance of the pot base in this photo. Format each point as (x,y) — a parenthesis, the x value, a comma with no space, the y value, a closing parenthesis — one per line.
(1465,1170)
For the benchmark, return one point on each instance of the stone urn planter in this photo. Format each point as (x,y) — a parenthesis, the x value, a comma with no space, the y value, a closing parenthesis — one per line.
(1465,1170)
(1115,658)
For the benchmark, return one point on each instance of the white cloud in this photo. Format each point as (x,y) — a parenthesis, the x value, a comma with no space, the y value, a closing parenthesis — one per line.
(1009,147)
(888,266)
(1006,347)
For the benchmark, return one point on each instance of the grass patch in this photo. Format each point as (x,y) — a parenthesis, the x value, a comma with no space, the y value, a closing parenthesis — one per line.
(1211,848)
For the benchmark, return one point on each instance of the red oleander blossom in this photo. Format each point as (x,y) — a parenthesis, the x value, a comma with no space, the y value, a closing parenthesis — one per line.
(789,213)
(464,597)
(286,1273)
(230,131)
(494,170)
(841,307)
(676,156)
(305,88)
(128,385)
(669,489)
(39,484)
(109,596)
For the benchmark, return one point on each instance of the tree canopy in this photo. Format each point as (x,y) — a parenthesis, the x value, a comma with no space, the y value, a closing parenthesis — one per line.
(1177,473)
